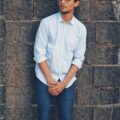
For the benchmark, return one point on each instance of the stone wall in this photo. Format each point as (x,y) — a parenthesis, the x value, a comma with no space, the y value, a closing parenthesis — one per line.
(98,85)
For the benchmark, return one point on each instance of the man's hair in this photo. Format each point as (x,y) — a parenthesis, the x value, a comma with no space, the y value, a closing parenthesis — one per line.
(76,0)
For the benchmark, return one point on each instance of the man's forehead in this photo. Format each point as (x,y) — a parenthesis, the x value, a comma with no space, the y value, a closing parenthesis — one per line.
(67,0)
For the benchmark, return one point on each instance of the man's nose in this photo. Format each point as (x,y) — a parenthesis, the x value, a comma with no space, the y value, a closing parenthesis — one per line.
(62,1)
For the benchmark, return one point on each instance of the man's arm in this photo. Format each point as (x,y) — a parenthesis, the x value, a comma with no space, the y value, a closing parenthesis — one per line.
(79,56)
(40,46)
(72,71)
(46,72)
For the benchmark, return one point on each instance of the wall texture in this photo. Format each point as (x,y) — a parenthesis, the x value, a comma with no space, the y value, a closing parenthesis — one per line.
(98,85)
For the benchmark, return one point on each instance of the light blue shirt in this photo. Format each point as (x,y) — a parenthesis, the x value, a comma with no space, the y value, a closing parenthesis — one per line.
(61,44)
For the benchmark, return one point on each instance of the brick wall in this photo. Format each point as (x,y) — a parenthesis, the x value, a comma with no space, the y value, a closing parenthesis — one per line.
(98,85)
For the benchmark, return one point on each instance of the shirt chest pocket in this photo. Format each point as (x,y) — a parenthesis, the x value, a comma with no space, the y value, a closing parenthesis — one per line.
(72,42)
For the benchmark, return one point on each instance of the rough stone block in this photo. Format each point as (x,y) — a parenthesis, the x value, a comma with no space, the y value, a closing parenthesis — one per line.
(2,94)
(18,9)
(33,95)
(1,7)
(34,113)
(102,10)
(2,118)
(85,76)
(82,12)
(18,102)
(44,8)
(2,50)
(2,74)
(91,32)
(107,76)
(2,28)
(22,31)
(116,113)
(20,54)
(21,37)
(18,97)
(96,96)
(17,113)
(83,113)
(87,96)
(20,76)
(101,54)
(108,32)
(102,113)
(116,10)
(2,111)
(108,95)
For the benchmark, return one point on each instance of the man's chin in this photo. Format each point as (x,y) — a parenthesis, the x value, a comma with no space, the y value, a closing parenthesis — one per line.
(64,12)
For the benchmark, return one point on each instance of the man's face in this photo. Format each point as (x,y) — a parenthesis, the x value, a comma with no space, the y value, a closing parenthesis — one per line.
(67,6)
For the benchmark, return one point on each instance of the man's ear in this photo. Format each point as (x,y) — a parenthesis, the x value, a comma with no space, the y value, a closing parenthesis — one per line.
(77,3)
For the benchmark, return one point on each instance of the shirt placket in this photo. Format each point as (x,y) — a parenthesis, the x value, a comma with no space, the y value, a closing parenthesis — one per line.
(60,40)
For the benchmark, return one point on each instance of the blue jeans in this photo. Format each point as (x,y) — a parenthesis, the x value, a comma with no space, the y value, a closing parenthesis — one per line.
(65,101)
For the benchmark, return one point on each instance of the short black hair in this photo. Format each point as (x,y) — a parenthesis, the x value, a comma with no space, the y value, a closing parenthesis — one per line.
(76,0)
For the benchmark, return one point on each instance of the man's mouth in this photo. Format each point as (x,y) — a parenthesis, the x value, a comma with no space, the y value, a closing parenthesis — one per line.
(62,6)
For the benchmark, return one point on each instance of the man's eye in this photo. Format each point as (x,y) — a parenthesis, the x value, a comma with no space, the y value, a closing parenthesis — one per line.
(65,0)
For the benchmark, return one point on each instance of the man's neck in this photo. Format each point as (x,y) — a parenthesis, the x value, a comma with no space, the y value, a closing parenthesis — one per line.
(67,17)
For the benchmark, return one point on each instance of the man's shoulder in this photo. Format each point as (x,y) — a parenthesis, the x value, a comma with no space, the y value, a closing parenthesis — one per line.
(80,24)
(51,17)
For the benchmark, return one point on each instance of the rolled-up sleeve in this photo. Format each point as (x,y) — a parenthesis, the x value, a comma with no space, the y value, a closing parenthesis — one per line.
(79,53)
(41,42)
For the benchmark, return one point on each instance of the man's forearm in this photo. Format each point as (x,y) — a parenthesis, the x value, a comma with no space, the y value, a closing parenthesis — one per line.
(45,70)
(72,71)
(61,85)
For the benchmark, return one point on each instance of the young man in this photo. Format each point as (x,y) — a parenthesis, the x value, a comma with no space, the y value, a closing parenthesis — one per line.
(59,53)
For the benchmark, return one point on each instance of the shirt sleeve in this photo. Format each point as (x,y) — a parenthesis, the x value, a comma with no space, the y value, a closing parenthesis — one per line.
(41,42)
(79,53)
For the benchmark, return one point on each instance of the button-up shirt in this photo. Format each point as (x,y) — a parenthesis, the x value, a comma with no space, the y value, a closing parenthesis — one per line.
(61,44)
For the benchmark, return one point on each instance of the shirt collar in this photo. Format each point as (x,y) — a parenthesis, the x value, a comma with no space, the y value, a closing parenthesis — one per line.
(72,21)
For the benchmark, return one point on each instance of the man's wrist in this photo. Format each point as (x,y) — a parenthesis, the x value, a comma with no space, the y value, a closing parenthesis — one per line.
(49,79)
(65,82)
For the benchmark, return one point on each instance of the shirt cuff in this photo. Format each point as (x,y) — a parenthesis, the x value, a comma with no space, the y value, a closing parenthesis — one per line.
(77,62)
(41,59)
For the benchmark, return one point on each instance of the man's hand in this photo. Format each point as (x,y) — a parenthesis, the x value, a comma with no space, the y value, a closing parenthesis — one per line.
(52,83)
(57,89)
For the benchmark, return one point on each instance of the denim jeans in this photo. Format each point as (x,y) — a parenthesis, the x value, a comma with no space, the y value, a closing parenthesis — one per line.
(65,101)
